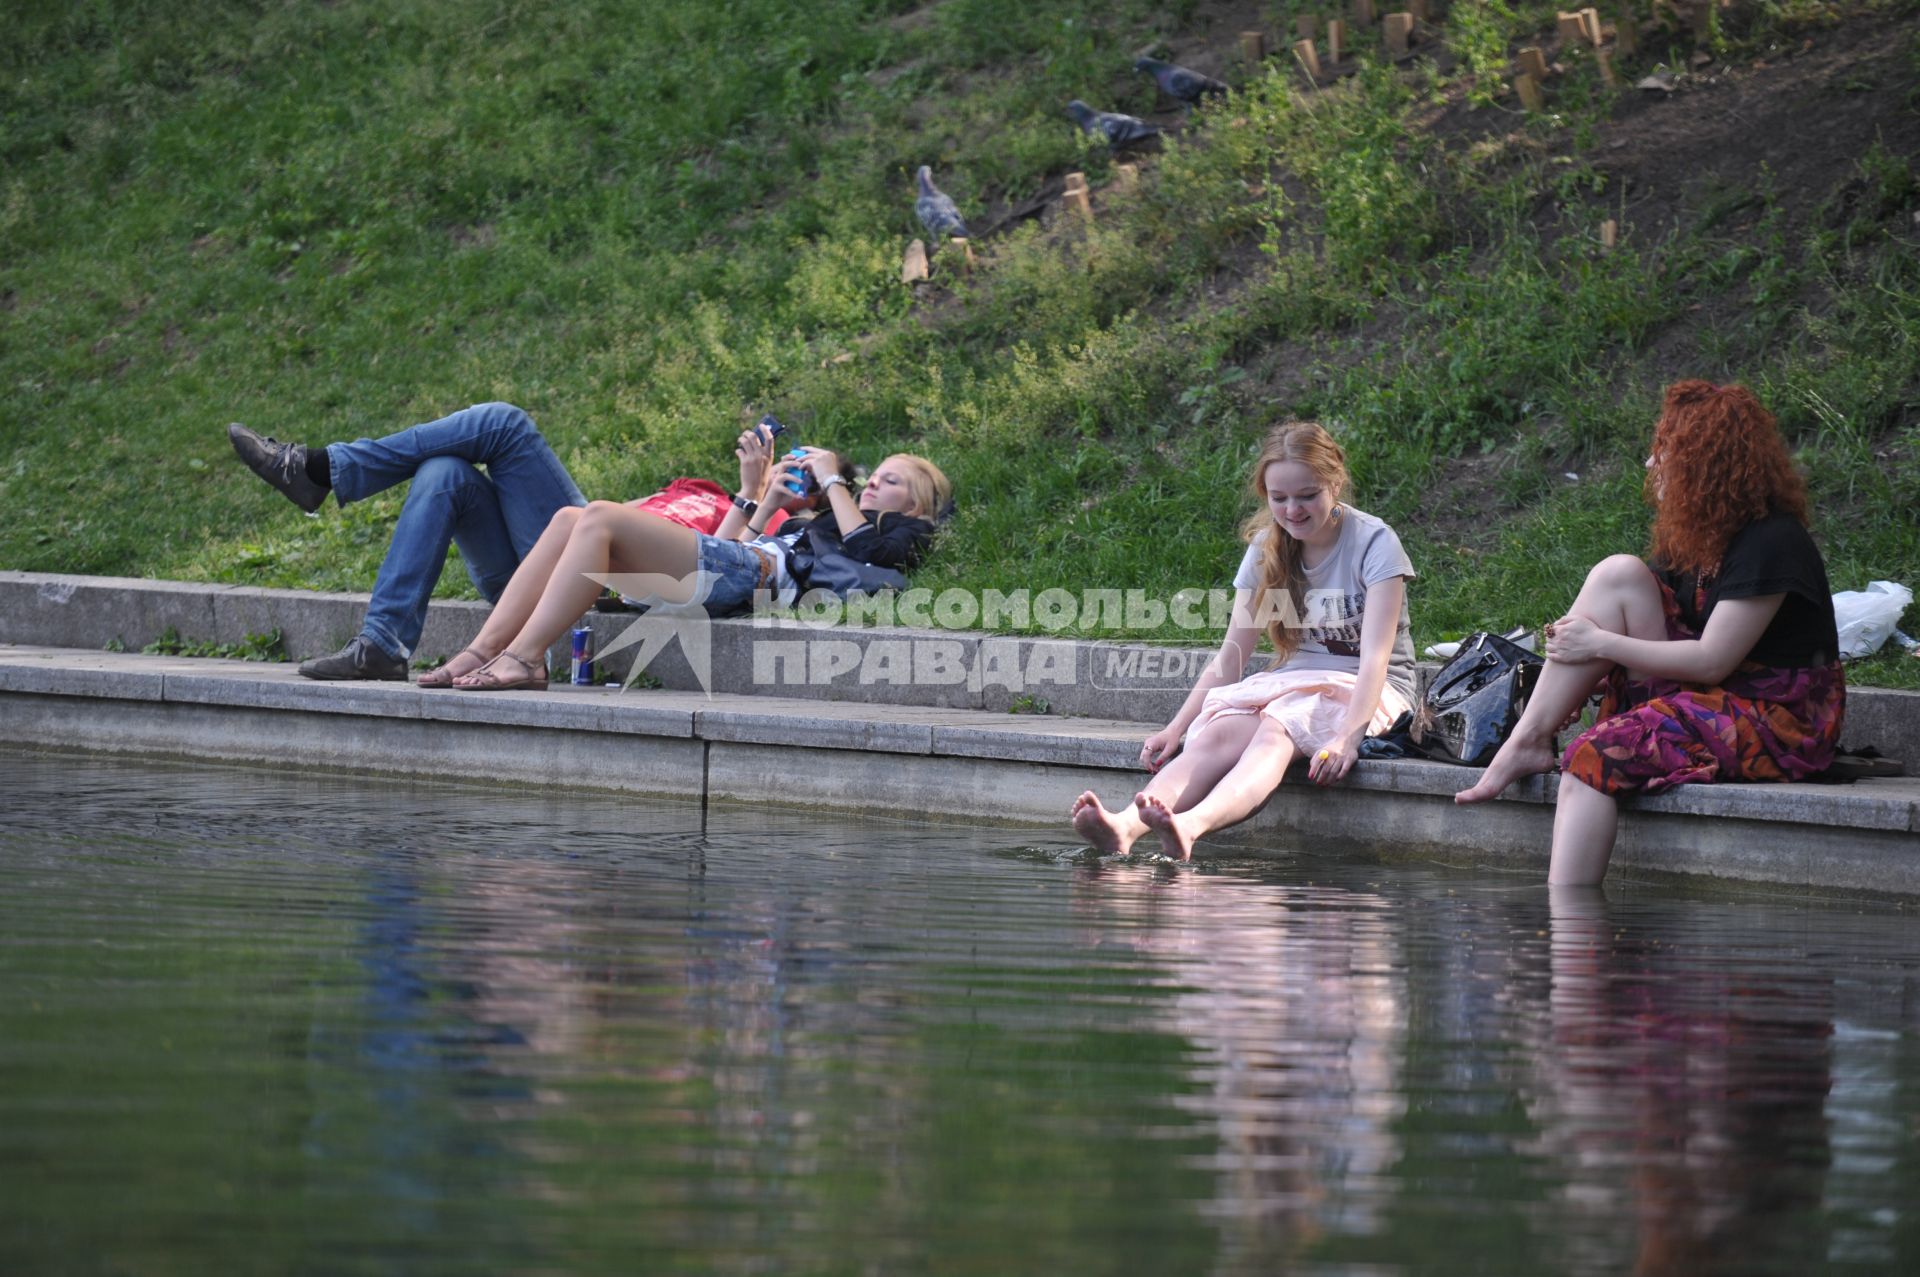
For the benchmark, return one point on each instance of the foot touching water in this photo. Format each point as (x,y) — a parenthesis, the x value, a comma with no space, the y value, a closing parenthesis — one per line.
(1516,760)
(1176,832)
(1098,826)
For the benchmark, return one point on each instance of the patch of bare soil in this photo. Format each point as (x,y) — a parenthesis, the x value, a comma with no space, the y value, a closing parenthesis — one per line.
(1802,116)
(1793,125)
(1793,122)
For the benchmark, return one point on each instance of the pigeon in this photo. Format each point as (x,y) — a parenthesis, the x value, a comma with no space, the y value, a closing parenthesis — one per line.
(936,209)
(1119,130)
(1179,82)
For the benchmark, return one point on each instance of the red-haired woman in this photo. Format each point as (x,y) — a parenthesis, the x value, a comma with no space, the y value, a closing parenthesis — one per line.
(1720,657)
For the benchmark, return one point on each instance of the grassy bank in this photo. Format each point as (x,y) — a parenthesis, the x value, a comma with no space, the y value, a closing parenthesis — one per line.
(642,221)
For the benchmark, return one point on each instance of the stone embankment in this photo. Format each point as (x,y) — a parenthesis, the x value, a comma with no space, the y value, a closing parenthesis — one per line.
(810,729)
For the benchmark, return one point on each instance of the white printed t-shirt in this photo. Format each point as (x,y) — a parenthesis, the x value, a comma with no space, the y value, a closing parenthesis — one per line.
(1366,553)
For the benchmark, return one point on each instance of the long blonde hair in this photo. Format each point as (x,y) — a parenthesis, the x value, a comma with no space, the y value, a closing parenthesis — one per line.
(926,483)
(1281,565)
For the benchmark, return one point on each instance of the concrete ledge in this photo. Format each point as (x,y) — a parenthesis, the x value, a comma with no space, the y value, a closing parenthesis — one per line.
(912,760)
(899,666)
(343,742)
(94,611)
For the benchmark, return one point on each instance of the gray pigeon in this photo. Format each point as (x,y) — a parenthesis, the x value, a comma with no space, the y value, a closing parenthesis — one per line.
(1119,130)
(936,209)
(1180,82)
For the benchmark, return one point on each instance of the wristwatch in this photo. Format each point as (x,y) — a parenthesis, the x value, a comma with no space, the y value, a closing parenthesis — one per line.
(744,505)
(832,479)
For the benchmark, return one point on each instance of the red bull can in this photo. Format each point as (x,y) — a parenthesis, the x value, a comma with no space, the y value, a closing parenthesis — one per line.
(582,656)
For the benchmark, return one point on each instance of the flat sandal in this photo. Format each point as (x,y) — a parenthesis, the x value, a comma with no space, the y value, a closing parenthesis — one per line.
(534,677)
(438,676)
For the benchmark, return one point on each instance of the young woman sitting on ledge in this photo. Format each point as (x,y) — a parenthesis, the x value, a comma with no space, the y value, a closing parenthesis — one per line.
(889,525)
(1718,657)
(1335,583)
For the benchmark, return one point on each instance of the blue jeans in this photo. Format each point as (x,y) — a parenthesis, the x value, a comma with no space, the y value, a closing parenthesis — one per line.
(494,517)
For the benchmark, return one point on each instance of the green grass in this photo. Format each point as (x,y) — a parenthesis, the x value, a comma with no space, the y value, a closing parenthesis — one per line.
(644,222)
(252,647)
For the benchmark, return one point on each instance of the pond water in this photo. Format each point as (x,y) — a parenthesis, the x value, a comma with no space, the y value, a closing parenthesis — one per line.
(265,1023)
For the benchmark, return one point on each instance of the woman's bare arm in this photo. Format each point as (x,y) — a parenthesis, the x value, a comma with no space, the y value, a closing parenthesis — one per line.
(1735,626)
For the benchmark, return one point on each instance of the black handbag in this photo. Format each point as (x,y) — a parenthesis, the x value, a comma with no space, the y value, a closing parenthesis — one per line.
(1471,705)
(841,573)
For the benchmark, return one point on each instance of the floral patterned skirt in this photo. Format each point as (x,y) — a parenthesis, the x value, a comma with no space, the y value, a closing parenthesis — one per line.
(1764,723)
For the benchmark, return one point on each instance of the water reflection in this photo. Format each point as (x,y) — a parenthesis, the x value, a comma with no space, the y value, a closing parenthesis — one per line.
(1649,1086)
(408,1027)
(1680,1086)
(1294,999)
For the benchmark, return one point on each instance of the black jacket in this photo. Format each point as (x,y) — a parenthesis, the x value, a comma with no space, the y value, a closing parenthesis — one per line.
(887,540)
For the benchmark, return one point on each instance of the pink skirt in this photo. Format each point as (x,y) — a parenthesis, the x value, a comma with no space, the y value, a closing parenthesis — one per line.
(1310,704)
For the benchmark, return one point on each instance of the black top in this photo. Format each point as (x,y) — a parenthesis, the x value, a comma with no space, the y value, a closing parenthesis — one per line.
(1773,555)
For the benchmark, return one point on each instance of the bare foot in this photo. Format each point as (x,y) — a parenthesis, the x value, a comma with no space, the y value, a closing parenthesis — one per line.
(1516,759)
(1099,826)
(1176,834)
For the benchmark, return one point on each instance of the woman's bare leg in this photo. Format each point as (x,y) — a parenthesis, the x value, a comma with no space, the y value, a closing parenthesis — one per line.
(1584,824)
(529,582)
(1620,595)
(1221,746)
(660,556)
(1185,780)
(1261,767)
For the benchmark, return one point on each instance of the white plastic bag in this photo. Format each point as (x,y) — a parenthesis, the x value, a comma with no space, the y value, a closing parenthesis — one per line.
(1866,618)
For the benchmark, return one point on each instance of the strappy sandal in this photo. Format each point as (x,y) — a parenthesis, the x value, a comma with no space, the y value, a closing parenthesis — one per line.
(442,675)
(533,678)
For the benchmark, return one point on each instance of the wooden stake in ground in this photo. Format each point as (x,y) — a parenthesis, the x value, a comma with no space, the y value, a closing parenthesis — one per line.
(1609,234)
(1534,63)
(1336,39)
(1626,32)
(1253,46)
(1362,13)
(965,249)
(1309,59)
(1590,24)
(1604,61)
(1399,31)
(913,267)
(1126,176)
(1572,27)
(1306,27)
(1074,195)
(1530,95)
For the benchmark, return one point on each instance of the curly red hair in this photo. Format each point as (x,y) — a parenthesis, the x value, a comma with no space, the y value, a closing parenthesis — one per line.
(1719,464)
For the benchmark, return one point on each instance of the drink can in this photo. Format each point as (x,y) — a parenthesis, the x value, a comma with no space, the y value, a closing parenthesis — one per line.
(582,656)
